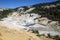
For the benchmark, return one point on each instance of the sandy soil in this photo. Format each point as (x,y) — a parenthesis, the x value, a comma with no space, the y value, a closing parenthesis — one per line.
(10,34)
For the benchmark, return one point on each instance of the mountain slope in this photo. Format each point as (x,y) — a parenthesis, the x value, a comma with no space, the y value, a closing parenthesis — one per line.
(41,17)
(50,10)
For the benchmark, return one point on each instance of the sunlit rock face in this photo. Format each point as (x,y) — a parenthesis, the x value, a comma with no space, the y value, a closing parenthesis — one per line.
(44,21)
(17,20)
(2,9)
(46,26)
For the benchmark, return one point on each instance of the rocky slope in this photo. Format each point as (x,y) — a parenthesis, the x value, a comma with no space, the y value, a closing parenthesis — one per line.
(31,21)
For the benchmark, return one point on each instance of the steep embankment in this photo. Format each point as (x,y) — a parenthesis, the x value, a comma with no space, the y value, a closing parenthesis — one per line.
(11,34)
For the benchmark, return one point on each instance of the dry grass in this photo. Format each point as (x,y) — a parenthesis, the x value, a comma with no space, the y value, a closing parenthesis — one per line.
(10,34)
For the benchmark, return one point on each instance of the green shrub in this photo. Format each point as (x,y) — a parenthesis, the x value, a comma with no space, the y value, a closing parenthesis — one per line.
(35,31)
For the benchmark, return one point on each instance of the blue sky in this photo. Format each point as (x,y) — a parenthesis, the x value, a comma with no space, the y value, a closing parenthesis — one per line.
(17,3)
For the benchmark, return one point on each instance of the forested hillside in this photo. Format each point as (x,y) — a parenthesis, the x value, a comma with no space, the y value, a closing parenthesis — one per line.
(50,10)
